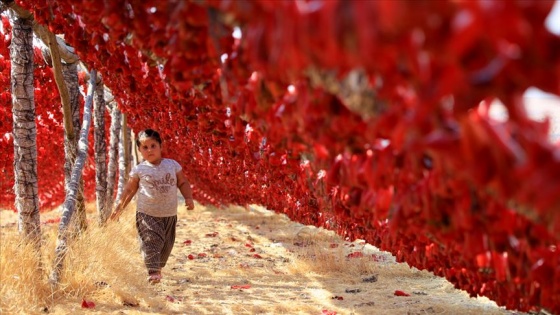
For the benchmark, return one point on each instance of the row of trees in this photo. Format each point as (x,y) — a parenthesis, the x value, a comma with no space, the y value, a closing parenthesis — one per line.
(65,66)
(417,167)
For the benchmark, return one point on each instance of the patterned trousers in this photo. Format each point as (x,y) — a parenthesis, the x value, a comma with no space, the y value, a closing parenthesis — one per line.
(157,236)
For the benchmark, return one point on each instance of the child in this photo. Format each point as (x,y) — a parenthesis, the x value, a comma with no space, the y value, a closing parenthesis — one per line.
(156,179)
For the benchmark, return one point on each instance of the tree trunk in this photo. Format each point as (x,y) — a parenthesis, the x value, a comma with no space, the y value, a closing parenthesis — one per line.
(113,154)
(66,78)
(70,73)
(72,114)
(100,149)
(127,132)
(24,130)
(124,157)
(134,149)
(70,201)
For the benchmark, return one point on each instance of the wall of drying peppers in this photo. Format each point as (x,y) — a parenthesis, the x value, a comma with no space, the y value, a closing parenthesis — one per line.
(50,133)
(423,172)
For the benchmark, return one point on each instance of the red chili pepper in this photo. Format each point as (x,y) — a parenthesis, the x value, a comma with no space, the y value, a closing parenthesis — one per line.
(401,293)
(355,255)
(87,304)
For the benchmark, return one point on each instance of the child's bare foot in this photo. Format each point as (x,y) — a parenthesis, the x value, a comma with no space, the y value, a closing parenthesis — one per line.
(154,278)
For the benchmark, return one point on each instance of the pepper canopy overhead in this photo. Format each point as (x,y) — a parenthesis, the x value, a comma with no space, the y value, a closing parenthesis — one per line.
(369,118)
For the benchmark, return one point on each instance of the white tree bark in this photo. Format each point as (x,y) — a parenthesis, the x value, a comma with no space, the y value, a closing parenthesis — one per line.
(100,149)
(72,115)
(134,149)
(70,73)
(124,157)
(113,154)
(70,201)
(24,130)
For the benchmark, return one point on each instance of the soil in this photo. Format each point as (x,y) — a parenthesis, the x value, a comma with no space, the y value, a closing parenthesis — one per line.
(253,261)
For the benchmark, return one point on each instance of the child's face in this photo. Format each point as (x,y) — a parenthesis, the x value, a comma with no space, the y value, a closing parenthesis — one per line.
(150,150)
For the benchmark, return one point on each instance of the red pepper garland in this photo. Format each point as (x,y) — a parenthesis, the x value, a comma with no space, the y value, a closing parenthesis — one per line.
(50,133)
(427,176)
(6,121)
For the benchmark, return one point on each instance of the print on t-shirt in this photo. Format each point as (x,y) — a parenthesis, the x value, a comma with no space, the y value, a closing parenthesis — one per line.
(157,195)
(163,185)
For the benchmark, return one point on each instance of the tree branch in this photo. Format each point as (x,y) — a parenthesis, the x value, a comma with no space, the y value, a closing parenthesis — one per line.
(58,49)
(61,84)
(66,53)
(70,200)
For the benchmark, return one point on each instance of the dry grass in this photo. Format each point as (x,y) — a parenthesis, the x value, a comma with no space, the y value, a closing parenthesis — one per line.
(103,264)
(299,270)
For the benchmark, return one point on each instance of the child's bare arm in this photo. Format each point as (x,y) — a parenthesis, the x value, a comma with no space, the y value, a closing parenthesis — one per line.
(185,189)
(129,191)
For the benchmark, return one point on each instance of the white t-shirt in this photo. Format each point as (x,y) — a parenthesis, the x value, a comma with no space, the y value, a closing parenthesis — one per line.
(157,189)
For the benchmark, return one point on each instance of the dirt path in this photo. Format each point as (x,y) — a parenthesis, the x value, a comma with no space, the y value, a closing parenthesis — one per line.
(249,261)
(252,261)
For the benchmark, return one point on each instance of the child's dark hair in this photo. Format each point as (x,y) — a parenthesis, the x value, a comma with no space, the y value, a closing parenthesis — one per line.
(148,133)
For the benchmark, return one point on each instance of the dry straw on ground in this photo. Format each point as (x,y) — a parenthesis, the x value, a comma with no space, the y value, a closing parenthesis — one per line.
(245,261)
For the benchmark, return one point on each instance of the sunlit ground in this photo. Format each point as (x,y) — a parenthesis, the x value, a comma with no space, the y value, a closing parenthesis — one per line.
(244,261)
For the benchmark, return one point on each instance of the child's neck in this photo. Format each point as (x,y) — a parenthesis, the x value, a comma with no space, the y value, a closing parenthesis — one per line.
(156,162)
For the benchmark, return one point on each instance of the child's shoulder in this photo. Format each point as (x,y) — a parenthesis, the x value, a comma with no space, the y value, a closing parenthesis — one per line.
(140,165)
(169,161)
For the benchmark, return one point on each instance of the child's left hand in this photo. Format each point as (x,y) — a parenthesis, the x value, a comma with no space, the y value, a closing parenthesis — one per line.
(189,203)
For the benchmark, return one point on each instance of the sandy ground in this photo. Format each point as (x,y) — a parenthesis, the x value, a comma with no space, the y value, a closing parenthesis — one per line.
(253,261)
(292,272)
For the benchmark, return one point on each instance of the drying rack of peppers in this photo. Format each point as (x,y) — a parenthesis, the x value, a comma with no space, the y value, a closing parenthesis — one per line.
(410,161)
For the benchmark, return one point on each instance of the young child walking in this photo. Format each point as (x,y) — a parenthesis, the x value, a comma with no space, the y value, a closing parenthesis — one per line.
(156,180)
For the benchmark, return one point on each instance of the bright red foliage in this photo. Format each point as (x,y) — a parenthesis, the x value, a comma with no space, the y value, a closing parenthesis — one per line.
(429,176)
